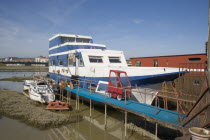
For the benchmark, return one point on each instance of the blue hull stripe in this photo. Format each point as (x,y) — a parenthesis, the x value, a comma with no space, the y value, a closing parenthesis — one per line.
(135,80)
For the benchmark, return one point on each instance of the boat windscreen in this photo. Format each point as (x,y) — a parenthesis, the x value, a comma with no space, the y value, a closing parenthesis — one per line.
(41,83)
(124,80)
(102,87)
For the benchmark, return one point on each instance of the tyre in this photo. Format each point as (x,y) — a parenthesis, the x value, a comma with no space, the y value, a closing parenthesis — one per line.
(119,97)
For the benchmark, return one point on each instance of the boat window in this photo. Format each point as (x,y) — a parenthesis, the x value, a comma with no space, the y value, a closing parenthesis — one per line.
(102,87)
(67,39)
(114,60)
(138,63)
(81,62)
(124,80)
(71,59)
(53,63)
(42,83)
(95,59)
(113,79)
(82,40)
(60,62)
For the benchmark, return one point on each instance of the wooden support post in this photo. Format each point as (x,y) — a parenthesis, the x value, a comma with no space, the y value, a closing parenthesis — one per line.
(90,88)
(93,105)
(67,96)
(78,102)
(62,93)
(90,108)
(70,99)
(105,117)
(126,114)
(125,96)
(156,131)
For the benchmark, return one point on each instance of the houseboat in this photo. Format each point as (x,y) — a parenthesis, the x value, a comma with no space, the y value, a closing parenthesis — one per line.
(73,56)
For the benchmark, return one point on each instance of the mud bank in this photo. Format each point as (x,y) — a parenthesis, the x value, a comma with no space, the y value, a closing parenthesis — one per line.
(23,69)
(16,79)
(16,105)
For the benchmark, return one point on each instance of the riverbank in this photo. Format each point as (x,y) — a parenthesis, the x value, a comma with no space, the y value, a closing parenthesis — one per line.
(23,69)
(16,105)
(16,79)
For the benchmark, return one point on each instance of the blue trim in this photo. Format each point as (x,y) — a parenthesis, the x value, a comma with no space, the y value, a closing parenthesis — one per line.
(73,47)
(55,41)
(56,58)
(64,57)
(135,80)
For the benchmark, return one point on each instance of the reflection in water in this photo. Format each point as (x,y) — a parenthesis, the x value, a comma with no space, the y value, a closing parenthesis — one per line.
(81,130)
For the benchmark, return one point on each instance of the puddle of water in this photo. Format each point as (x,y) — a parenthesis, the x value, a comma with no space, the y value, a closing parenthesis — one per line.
(15,86)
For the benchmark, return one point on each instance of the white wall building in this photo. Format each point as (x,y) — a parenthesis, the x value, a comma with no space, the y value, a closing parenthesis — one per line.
(42,59)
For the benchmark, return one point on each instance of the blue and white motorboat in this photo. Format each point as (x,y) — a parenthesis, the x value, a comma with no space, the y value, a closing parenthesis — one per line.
(77,55)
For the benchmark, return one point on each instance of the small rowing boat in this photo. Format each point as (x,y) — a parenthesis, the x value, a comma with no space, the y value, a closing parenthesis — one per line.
(58,105)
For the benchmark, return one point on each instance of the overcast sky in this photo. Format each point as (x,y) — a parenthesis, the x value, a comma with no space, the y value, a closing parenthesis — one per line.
(140,28)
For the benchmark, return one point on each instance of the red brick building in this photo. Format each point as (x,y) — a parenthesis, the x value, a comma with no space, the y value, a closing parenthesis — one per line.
(168,61)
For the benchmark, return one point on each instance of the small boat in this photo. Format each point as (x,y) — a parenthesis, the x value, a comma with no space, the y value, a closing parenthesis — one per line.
(27,83)
(58,105)
(40,91)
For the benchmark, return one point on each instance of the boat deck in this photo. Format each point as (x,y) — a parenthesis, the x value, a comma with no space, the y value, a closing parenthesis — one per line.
(157,114)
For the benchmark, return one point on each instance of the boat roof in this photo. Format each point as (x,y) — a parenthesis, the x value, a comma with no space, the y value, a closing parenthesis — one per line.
(70,35)
(98,51)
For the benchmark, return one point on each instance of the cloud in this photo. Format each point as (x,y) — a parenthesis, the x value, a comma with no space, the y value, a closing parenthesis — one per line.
(58,11)
(25,29)
(16,40)
(138,21)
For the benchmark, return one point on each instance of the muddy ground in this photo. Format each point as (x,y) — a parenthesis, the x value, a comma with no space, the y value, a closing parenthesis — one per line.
(16,79)
(23,69)
(16,105)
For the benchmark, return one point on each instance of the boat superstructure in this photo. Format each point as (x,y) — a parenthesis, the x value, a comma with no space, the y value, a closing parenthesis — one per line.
(75,55)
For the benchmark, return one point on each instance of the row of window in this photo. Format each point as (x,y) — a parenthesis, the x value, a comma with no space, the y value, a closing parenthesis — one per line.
(99,59)
(92,59)
(72,39)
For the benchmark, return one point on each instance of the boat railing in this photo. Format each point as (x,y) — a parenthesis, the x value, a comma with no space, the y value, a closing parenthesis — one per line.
(170,100)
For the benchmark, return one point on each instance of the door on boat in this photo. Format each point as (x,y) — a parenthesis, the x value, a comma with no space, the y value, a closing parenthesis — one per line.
(79,63)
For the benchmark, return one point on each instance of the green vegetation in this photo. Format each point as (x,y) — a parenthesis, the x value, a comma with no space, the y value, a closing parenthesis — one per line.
(1,64)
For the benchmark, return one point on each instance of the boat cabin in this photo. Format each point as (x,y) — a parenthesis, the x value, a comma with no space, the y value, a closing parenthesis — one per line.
(90,57)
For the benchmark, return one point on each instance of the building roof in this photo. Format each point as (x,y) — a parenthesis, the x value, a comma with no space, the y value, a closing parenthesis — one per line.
(170,55)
